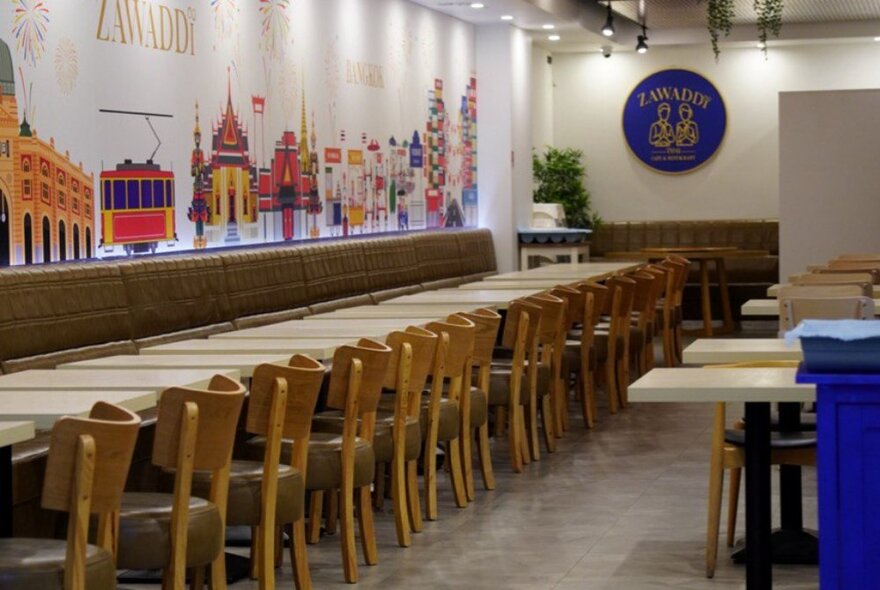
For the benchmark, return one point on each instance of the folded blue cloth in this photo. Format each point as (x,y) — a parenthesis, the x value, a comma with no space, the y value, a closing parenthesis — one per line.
(845,330)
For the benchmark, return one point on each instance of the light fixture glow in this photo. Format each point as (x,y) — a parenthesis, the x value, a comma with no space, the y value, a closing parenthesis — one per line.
(762,45)
(548,27)
(608,29)
(876,38)
(554,37)
(642,46)
(507,17)
(477,5)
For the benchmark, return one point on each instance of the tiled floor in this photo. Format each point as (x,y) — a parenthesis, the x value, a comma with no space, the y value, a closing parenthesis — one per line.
(621,507)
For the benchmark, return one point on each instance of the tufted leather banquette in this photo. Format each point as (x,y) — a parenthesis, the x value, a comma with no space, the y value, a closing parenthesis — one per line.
(65,312)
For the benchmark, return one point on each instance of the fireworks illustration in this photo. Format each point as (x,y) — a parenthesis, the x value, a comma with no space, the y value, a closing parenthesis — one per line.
(66,65)
(29,22)
(275,28)
(225,13)
(288,86)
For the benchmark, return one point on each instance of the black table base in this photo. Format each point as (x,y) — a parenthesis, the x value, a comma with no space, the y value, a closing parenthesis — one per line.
(789,548)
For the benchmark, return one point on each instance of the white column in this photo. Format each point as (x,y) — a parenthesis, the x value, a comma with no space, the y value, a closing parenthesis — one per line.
(503,56)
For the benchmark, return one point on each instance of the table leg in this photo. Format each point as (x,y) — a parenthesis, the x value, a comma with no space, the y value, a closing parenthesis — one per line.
(574,255)
(707,303)
(5,491)
(721,270)
(759,570)
(523,258)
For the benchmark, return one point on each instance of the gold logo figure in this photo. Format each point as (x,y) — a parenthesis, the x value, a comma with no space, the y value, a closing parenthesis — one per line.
(661,134)
(687,132)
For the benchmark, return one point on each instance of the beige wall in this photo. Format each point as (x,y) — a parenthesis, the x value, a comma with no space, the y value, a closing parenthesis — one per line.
(829,178)
(742,181)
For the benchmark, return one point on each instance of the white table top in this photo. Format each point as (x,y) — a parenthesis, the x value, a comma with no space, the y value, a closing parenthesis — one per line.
(406,312)
(705,351)
(267,348)
(46,406)
(535,284)
(360,328)
(705,384)
(770,307)
(773,290)
(499,298)
(243,363)
(104,379)
(574,272)
(15,432)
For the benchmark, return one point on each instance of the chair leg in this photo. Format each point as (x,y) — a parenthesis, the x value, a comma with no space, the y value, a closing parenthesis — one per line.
(265,556)
(466,435)
(398,495)
(549,426)
(218,572)
(315,509)
(584,385)
(365,522)
(298,557)
(332,507)
(532,422)
(611,384)
(716,481)
(346,526)
(456,473)
(622,381)
(255,550)
(197,580)
(412,496)
(525,451)
(379,486)
(500,420)
(733,505)
(514,432)
(430,469)
(485,457)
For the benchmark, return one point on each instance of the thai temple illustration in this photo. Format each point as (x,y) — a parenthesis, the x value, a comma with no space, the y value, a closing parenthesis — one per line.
(469,199)
(46,201)
(231,191)
(435,157)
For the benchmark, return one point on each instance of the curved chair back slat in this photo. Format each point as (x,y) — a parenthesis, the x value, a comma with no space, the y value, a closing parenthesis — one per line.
(374,357)
(423,344)
(461,342)
(304,376)
(487,324)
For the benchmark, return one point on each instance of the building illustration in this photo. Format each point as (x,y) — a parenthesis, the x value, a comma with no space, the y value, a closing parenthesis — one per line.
(435,157)
(47,203)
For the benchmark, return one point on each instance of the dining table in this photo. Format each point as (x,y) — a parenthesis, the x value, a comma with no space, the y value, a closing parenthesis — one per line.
(770,308)
(243,363)
(269,349)
(11,432)
(757,388)
(44,407)
(705,351)
(110,379)
(376,328)
(436,311)
(573,272)
(462,298)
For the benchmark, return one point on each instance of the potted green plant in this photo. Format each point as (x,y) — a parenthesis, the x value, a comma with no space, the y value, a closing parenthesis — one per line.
(559,178)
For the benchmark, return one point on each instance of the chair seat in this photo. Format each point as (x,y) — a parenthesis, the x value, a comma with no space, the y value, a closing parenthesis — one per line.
(778,440)
(38,564)
(499,385)
(808,421)
(144,531)
(571,358)
(479,407)
(383,442)
(246,493)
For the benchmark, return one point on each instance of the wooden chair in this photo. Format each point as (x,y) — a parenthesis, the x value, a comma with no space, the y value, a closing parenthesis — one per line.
(862,279)
(643,316)
(548,400)
(88,463)
(346,461)
(195,430)
(487,323)
(728,453)
(617,333)
(792,310)
(673,314)
(661,285)
(571,351)
(846,267)
(441,415)
(399,422)
(596,297)
(506,391)
(269,492)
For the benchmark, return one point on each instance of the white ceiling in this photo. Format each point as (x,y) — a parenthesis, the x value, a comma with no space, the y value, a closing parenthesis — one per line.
(670,22)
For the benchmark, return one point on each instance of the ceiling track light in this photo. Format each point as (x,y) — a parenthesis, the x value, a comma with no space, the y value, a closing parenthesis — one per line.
(642,45)
(608,29)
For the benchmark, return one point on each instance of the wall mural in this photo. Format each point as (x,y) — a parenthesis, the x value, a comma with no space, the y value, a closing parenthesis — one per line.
(139,126)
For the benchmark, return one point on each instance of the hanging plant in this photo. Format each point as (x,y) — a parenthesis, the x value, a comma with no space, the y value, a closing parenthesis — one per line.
(719,20)
(769,20)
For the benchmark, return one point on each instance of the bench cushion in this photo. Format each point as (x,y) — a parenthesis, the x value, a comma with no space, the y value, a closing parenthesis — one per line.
(264,281)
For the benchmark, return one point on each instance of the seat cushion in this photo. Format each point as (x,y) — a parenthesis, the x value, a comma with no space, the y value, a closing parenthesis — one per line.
(778,440)
(38,564)
(479,407)
(246,493)
(499,385)
(571,358)
(450,420)
(325,461)
(383,448)
(144,537)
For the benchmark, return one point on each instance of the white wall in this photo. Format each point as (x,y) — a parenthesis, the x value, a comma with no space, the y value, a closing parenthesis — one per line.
(829,180)
(542,98)
(742,181)
(504,58)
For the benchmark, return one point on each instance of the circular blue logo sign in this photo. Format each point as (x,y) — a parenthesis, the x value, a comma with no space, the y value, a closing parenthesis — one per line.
(674,121)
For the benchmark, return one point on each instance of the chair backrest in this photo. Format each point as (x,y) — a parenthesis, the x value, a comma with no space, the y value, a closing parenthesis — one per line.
(423,344)
(601,297)
(860,257)
(304,376)
(511,324)
(679,267)
(113,431)
(645,293)
(461,342)
(819,291)
(863,279)
(574,303)
(219,407)
(627,294)
(553,313)
(794,310)
(374,357)
(847,267)
(487,323)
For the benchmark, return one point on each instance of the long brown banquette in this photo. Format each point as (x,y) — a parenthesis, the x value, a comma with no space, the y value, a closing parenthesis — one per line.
(748,277)
(66,312)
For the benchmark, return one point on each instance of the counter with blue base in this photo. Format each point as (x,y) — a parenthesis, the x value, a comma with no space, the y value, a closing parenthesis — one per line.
(848,429)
